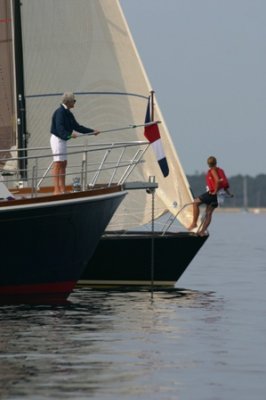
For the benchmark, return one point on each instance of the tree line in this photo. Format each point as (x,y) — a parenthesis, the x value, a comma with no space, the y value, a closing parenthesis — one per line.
(248,191)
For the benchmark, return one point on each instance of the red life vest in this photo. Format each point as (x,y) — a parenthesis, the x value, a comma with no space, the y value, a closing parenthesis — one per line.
(223,181)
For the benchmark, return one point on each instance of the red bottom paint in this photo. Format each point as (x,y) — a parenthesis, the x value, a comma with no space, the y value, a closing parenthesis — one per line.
(36,293)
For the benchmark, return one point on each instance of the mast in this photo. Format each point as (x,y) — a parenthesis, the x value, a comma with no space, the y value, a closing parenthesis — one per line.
(19,93)
(152,104)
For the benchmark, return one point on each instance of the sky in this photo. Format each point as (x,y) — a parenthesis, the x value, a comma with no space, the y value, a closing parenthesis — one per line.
(206,61)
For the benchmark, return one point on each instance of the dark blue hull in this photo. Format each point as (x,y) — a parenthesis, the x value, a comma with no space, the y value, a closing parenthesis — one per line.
(126,259)
(46,246)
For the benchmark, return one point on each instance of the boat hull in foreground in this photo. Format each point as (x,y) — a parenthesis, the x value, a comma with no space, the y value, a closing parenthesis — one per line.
(45,245)
(126,259)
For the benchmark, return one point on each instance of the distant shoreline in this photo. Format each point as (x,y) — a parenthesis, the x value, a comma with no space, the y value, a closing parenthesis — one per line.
(254,210)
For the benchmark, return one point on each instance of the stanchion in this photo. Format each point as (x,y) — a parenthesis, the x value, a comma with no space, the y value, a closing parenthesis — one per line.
(152,191)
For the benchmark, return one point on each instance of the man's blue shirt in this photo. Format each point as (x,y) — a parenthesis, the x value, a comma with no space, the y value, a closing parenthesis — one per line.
(64,123)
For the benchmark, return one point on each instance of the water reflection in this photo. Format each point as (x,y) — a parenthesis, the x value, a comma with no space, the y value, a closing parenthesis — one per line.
(118,344)
(104,342)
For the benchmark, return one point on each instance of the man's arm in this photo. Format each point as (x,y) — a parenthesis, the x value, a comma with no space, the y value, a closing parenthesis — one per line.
(80,128)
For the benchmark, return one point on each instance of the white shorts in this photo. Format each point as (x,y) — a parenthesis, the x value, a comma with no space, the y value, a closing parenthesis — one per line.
(58,146)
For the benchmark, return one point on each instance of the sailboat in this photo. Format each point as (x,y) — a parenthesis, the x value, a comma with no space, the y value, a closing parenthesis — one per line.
(46,240)
(134,250)
(85,46)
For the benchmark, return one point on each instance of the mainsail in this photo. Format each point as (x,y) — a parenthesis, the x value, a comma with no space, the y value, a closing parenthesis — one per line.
(85,46)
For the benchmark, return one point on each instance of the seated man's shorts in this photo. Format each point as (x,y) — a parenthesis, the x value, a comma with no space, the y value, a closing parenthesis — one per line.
(209,199)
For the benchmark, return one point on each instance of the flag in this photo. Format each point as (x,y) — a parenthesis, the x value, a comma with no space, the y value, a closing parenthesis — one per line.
(152,134)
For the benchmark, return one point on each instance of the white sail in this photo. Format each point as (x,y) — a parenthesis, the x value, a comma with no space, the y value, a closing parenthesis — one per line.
(85,46)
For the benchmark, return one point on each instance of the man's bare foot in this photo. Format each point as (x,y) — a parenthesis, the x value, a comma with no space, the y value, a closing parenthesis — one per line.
(202,233)
(192,226)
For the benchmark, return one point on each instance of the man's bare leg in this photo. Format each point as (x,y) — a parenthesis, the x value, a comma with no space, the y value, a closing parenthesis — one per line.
(59,172)
(56,173)
(196,211)
(62,176)
(207,220)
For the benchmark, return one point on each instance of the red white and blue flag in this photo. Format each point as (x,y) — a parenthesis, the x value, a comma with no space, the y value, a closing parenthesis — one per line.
(152,134)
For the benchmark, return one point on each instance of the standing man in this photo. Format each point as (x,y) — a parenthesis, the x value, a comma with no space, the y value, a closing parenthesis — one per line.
(216,180)
(62,127)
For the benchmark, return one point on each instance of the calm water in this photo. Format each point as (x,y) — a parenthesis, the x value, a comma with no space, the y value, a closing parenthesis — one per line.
(204,341)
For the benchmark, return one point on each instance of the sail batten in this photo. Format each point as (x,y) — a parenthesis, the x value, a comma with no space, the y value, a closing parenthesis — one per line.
(85,46)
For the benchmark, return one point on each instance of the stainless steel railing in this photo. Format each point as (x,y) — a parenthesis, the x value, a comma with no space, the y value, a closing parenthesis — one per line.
(104,164)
